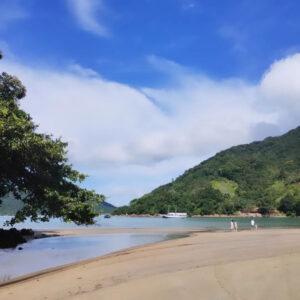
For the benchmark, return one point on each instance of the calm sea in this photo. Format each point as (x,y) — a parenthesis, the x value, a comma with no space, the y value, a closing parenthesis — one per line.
(145,222)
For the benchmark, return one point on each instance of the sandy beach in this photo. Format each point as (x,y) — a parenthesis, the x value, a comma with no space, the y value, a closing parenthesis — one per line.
(206,265)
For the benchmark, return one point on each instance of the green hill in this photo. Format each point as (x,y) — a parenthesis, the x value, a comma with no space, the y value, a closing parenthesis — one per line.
(262,176)
(106,207)
(10,206)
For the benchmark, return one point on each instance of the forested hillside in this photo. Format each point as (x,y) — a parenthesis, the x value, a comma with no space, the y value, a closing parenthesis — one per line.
(262,176)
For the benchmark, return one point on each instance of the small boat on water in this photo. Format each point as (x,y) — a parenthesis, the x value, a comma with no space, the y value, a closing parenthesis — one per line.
(107,216)
(175,215)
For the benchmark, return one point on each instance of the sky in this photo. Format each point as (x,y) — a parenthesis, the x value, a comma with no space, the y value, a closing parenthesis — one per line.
(143,90)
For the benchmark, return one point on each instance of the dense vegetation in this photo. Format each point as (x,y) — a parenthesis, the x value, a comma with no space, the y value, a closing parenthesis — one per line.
(34,167)
(261,176)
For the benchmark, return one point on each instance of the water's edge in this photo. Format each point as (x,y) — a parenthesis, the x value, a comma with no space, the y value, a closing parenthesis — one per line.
(14,267)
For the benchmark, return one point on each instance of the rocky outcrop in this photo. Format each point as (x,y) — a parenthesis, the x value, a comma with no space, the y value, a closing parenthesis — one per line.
(11,238)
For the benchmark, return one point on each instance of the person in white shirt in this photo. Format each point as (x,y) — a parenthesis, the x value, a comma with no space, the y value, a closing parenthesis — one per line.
(252,223)
(231,225)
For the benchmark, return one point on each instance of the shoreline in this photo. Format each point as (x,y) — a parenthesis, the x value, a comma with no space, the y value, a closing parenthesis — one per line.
(241,215)
(47,271)
(39,234)
(84,231)
(210,265)
(179,233)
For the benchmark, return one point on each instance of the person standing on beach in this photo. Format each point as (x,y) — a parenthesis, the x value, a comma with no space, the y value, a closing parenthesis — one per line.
(235,225)
(252,224)
(231,225)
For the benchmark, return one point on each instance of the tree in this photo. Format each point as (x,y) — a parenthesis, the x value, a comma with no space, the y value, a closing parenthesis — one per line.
(287,204)
(266,204)
(34,167)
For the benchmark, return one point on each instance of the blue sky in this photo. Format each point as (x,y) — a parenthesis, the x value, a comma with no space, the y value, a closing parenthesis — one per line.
(151,88)
(220,38)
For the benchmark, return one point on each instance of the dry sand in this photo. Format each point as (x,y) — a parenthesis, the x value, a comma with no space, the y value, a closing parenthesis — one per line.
(222,265)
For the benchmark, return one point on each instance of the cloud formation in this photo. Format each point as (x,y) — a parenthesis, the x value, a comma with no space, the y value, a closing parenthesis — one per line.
(86,12)
(132,140)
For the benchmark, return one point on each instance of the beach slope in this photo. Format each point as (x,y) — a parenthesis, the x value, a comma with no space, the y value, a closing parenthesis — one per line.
(221,265)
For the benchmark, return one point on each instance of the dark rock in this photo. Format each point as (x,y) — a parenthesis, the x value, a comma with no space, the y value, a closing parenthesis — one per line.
(27,232)
(20,248)
(10,238)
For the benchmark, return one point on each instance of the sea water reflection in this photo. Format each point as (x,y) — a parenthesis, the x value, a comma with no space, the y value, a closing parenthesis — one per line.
(44,253)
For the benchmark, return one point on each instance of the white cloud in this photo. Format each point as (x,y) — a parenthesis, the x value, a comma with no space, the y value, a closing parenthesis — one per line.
(130,144)
(165,65)
(280,89)
(86,12)
(281,83)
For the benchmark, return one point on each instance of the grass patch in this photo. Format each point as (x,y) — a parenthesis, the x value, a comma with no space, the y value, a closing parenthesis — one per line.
(225,186)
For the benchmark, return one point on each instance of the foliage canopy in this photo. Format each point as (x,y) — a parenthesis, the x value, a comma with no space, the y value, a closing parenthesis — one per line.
(34,167)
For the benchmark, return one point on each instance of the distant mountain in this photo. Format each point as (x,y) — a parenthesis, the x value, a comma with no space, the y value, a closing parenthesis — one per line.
(106,207)
(261,176)
(10,206)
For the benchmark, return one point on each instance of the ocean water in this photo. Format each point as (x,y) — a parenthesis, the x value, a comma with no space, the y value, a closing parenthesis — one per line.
(147,222)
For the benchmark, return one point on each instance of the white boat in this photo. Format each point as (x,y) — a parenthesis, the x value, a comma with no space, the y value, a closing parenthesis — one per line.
(175,215)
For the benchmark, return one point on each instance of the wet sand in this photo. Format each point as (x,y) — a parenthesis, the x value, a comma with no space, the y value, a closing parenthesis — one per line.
(221,265)
(113,230)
